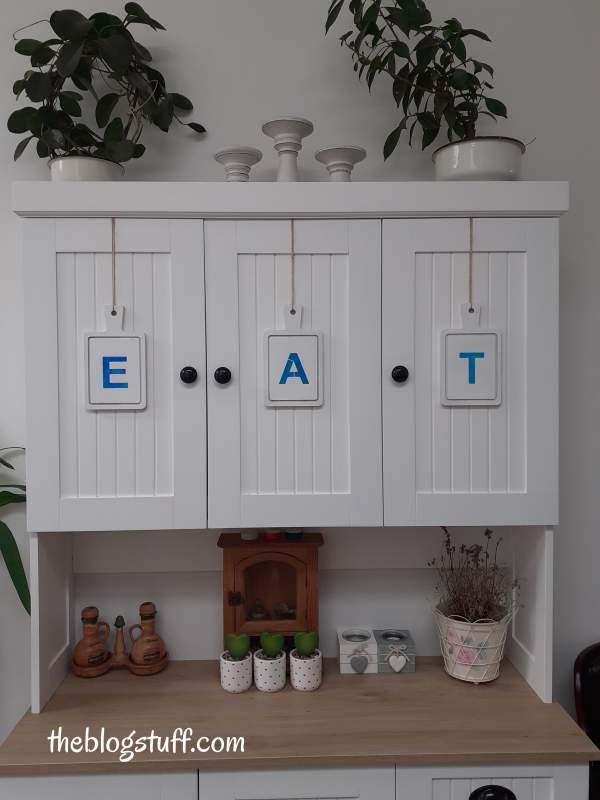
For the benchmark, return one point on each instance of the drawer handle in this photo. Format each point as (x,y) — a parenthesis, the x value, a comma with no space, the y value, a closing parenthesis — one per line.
(222,375)
(189,375)
(492,793)
(400,374)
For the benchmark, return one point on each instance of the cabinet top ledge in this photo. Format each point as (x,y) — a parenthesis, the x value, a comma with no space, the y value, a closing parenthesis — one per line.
(318,199)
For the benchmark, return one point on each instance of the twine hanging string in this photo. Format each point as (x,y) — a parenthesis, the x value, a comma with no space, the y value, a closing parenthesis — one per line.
(293,263)
(471,309)
(114,266)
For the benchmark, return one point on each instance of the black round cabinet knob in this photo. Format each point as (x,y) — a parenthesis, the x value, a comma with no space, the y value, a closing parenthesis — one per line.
(189,374)
(492,793)
(222,375)
(400,374)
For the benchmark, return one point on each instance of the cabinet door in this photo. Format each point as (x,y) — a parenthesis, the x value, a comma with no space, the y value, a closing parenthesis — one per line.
(306,784)
(471,465)
(177,786)
(114,469)
(297,466)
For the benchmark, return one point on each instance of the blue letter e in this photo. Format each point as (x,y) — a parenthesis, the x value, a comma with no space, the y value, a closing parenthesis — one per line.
(293,369)
(107,371)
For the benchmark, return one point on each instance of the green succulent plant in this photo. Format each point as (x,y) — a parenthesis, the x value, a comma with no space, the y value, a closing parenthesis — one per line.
(237,645)
(272,644)
(86,54)
(13,493)
(306,643)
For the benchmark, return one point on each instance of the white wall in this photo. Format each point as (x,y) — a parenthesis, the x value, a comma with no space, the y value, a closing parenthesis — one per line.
(244,61)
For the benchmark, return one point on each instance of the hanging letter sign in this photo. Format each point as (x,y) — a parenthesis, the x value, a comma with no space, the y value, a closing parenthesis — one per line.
(471,363)
(293,361)
(115,367)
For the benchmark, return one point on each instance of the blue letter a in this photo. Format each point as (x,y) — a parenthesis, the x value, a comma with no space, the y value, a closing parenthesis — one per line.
(293,369)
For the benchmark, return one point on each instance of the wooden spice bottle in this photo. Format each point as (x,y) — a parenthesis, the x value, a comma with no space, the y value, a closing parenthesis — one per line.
(91,657)
(148,654)
(120,657)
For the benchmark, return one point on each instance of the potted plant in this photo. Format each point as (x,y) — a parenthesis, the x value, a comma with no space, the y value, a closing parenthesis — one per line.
(13,493)
(438,86)
(269,663)
(306,662)
(236,664)
(86,55)
(476,604)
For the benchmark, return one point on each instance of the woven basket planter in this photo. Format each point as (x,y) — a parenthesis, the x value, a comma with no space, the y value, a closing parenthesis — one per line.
(472,651)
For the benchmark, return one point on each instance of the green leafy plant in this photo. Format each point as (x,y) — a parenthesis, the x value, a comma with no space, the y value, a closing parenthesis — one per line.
(272,644)
(434,81)
(306,643)
(90,54)
(472,584)
(13,493)
(237,645)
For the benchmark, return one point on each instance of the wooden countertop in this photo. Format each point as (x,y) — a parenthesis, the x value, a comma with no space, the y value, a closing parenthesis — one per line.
(422,719)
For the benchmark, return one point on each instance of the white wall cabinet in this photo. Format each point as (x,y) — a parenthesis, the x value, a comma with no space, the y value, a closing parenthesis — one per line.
(465,465)
(364,444)
(376,783)
(297,466)
(125,469)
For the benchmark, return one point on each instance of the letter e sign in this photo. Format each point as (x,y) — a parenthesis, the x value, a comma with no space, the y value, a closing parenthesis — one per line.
(293,368)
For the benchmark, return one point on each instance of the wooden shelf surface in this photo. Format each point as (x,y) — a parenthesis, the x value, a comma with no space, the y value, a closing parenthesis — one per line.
(425,718)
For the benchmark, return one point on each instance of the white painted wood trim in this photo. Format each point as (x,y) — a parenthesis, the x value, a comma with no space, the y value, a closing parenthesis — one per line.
(280,200)
(150,786)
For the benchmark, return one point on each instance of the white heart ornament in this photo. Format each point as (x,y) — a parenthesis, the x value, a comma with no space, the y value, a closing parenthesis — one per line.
(397,662)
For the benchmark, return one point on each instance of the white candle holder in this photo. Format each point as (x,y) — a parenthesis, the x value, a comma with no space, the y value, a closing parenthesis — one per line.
(287,134)
(238,161)
(340,161)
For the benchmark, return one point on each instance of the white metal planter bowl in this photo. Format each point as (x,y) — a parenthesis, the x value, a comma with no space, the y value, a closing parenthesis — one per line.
(236,676)
(472,651)
(269,673)
(306,673)
(485,158)
(84,168)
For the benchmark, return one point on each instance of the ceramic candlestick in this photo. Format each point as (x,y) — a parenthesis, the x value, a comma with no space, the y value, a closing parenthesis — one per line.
(91,658)
(287,134)
(340,161)
(238,161)
(148,653)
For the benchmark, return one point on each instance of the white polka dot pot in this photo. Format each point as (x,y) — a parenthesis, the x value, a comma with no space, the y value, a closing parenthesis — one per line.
(306,673)
(269,673)
(236,676)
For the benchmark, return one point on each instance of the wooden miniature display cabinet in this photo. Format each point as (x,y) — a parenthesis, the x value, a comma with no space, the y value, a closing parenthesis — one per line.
(270,585)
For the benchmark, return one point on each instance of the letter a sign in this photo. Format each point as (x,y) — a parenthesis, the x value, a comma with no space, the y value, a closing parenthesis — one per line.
(293,368)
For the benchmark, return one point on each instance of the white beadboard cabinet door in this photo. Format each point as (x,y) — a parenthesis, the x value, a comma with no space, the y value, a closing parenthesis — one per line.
(368,783)
(123,469)
(471,465)
(294,466)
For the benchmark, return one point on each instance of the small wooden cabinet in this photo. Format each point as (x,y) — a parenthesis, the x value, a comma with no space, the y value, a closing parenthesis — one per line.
(279,579)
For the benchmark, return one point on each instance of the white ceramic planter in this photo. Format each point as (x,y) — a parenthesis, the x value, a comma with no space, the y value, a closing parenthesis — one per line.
(84,168)
(485,158)
(237,162)
(472,651)
(340,161)
(236,676)
(269,673)
(306,673)
(287,134)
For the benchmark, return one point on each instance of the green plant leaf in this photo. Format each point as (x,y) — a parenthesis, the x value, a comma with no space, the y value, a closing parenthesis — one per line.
(393,138)
(69,24)
(115,49)
(137,14)
(497,107)
(478,34)
(18,153)
(272,644)
(163,114)
(105,107)
(102,21)
(3,461)
(120,151)
(141,52)
(14,565)
(54,139)
(182,102)
(27,47)
(20,120)
(39,86)
(401,49)
(333,14)
(18,87)
(68,59)
(237,645)
(69,105)
(138,150)
(7,497)
(195,126)
(42,56)
(114,131)
(42,149)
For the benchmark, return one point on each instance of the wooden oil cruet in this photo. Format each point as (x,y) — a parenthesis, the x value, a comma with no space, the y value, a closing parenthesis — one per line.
(91,657)
(120,657)
(148,654)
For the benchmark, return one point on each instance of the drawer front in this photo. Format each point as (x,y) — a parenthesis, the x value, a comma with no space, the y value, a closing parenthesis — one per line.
(176,786)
